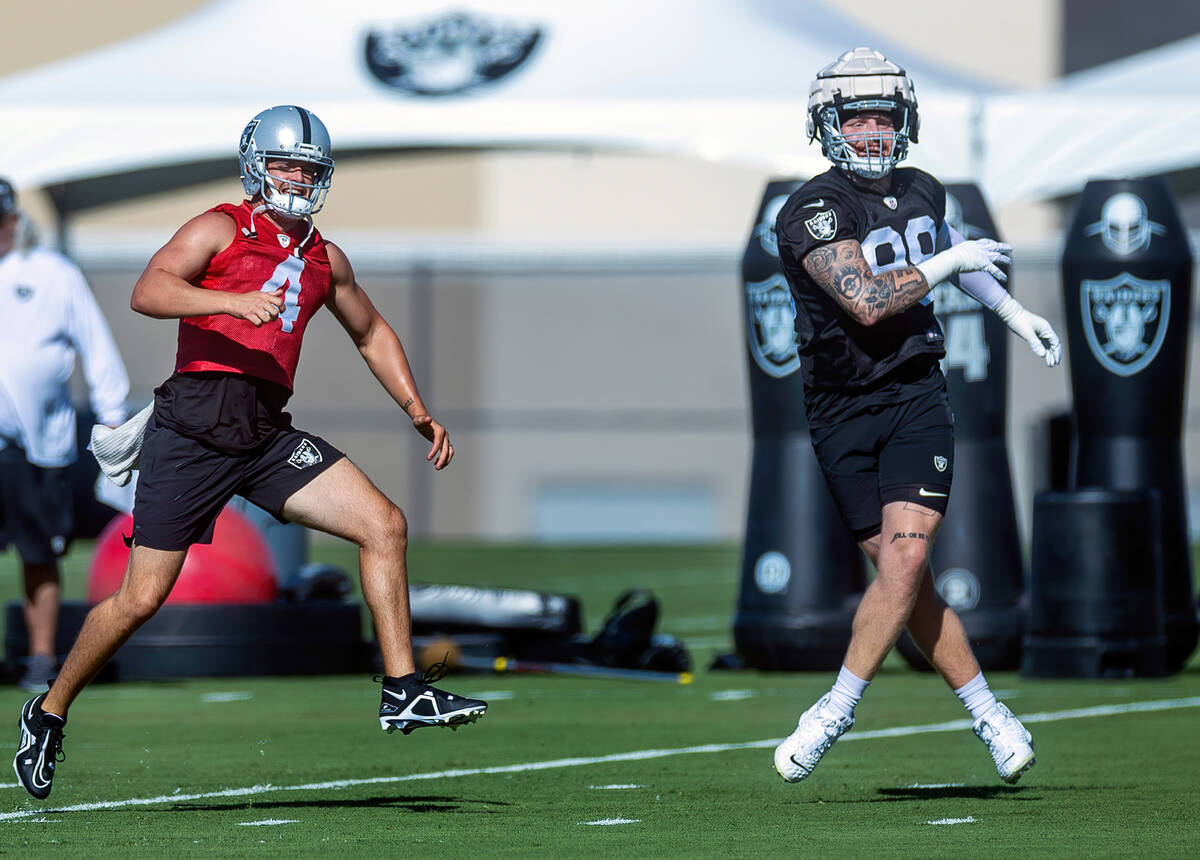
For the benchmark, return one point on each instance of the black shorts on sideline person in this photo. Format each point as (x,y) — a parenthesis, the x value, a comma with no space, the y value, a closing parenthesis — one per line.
(36,507)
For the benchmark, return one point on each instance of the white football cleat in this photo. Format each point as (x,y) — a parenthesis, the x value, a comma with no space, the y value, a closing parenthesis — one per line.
(818,728)
(1007,740)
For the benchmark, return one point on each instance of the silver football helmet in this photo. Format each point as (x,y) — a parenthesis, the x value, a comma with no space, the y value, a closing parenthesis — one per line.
(860,80)
(287,131)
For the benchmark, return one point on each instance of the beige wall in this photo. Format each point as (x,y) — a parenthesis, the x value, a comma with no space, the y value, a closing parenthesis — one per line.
(1015,44)
(36,33)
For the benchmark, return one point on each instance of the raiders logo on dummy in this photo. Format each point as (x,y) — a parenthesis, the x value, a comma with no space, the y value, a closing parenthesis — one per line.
(1125,226)
(771,326)
(764,231)
(1125,320)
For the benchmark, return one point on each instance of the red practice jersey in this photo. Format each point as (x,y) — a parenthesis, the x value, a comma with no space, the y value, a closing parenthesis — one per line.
(266,261)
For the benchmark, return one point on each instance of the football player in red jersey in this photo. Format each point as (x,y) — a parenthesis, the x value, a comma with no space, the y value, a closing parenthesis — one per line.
(243,281)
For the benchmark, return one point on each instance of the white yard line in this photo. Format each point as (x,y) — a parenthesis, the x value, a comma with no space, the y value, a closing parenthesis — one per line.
(226,697)
(731,695)
(637,755)
(970,819)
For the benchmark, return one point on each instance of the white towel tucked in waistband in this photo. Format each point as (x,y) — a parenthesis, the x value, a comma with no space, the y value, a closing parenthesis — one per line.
(118,449)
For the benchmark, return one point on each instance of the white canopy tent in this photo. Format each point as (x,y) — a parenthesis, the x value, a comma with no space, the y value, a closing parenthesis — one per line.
(706,78)
(714,79)
(1133,117)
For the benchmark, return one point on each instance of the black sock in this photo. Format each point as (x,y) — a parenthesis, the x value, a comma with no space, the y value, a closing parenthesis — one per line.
(403,681)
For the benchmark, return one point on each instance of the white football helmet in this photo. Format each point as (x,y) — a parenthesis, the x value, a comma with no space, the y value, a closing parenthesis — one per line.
(287,131)
(860,80)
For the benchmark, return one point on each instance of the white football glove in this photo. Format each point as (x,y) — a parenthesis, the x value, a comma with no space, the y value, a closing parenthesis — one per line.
(1035,330)
(974,255)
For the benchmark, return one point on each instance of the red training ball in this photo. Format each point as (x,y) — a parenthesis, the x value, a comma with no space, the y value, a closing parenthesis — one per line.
(237,567)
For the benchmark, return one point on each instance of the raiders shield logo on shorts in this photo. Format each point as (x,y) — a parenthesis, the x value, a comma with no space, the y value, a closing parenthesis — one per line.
(306,454)
(823,225)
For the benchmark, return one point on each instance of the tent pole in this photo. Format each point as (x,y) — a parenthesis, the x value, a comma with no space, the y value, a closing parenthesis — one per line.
(978,147)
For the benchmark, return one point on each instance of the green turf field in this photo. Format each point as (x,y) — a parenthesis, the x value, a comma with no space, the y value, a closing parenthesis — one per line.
(565,767)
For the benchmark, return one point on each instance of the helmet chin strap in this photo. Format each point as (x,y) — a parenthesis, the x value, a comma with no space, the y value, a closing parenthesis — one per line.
(265,207)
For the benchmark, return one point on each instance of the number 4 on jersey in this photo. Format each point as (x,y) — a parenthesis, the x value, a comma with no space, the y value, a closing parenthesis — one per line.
(287,272)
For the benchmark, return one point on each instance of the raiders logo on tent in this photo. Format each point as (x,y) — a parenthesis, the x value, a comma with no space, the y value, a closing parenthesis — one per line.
(448,55)
(1125,321)
(771,326)
(823,225)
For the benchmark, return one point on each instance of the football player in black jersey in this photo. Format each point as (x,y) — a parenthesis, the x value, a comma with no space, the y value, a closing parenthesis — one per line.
(862,245)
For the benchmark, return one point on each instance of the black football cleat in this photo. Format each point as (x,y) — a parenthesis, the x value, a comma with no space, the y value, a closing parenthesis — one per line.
(39,748)
(410,703)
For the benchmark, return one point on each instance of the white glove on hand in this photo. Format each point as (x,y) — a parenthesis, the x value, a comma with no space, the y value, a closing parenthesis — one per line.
(1035,330)
(975,255)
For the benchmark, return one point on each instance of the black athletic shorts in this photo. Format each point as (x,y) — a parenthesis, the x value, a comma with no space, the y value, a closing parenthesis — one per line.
(36,507)
(183,483)
(889,453)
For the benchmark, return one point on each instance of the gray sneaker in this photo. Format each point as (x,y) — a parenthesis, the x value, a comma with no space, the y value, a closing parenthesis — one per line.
(39,669)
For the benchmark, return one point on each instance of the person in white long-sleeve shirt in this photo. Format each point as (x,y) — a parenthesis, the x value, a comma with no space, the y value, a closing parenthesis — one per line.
(49,317)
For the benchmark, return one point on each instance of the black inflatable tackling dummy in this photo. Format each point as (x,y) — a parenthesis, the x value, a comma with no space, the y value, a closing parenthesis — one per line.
(1127,289)
(1095,608)
(802,573)
(976,559)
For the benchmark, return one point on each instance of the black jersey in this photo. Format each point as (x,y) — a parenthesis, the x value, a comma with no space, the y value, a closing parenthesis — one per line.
(896,357)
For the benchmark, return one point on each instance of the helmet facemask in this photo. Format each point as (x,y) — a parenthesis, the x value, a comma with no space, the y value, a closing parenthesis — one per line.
(302,199)
(883,150)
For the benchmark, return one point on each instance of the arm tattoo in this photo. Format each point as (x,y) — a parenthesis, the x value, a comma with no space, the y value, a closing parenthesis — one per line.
(841,270)
(819,260)
(407,403)
(850,284)
(907,535)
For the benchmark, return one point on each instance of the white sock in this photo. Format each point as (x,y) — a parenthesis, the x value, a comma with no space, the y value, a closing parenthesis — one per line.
(977,697)
(847,692)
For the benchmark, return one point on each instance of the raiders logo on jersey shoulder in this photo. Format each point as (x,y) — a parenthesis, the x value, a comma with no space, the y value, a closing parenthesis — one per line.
(823,225)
